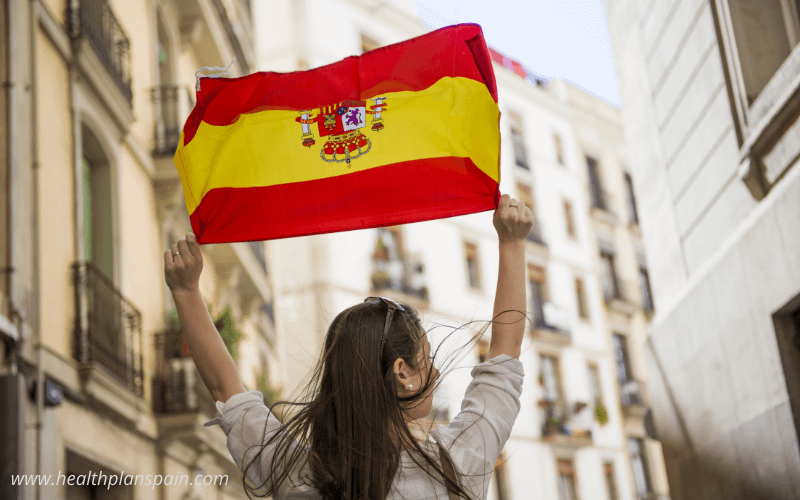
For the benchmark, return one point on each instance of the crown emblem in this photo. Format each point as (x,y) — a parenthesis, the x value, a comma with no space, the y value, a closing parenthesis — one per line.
(341,125)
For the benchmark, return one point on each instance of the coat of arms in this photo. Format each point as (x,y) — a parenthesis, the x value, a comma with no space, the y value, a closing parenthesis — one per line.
(341,123)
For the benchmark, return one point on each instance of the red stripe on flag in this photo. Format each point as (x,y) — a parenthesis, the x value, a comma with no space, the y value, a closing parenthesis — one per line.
(399,193)
(412,65)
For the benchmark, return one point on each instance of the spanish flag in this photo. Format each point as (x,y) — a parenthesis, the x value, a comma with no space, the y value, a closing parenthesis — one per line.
(403,133)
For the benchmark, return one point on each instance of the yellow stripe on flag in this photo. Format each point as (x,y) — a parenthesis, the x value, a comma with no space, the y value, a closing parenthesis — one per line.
(454,117)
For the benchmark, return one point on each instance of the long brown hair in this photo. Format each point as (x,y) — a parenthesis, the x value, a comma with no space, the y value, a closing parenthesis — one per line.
(348,432)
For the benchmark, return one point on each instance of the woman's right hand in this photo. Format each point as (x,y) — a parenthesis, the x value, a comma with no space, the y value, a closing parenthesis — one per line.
(513,220)
(183,264)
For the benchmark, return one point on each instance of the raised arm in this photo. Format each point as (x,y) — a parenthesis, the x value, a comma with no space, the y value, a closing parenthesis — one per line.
(513,224)
(210,355)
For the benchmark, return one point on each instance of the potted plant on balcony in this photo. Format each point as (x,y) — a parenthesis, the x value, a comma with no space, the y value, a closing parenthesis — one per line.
(556,425)
(227,330)
(600,413)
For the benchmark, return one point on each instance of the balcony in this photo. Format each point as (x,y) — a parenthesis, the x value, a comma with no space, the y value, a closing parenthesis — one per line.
(632,397)
(168,122)
(94,22)
(552,325)
(558,429)
(108,329)
(382,282)
(177,386)
(398,274)
(621,295)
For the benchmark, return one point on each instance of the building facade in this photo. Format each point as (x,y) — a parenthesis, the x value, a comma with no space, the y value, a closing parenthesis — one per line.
(709,92)
(628,302)
(95,374)
(573,436)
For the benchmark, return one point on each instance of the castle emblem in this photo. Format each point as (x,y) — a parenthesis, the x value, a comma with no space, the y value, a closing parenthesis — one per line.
(341,125)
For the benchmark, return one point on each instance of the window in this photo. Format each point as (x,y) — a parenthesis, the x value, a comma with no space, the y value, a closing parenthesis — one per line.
(595,184)
(644,283)
(393,269)
(550,378)
(166,96)
(559,148)
(97,205)
(538,292)
(499,479)
(633,215)
(567,487)
(608,275)
(517,140)
(569,221)
(611,484)
(525,195)
(620,344)
(594,384)
(765,32)
(580,295)
(472,265)
(368,43)
(641,478)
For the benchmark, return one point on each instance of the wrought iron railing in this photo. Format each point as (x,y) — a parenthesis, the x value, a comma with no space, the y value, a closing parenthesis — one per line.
(177,385)
(409,281)
(94,20)
(631,393)
(181,390)
(558,422)
(167,118)
(108,328)
(381,282)
(552,318)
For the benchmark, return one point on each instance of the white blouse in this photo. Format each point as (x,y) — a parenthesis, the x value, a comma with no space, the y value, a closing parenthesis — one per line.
(474,438)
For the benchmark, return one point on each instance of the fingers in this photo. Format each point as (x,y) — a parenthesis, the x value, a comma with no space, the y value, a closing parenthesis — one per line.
(194,246)
(183,248)
(504,202)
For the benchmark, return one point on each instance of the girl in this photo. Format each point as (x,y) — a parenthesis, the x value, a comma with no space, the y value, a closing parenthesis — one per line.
(352,437)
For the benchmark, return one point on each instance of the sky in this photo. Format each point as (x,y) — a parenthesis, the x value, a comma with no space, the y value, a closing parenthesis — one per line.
(565,39)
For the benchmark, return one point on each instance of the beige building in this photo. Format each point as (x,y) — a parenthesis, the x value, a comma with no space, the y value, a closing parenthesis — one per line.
(559,448)
(709,92)
(95,94)
(624,278)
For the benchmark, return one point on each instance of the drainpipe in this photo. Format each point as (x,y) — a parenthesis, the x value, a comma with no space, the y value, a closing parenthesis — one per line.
(33,12)
(11,127)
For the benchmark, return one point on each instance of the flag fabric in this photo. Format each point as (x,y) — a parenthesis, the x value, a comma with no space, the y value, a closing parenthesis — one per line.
(403,133)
